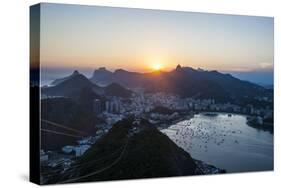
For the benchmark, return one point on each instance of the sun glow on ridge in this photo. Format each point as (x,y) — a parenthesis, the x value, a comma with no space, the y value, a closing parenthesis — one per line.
(157,66)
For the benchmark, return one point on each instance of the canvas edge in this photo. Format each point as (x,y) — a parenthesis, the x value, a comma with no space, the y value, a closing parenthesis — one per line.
(34,95)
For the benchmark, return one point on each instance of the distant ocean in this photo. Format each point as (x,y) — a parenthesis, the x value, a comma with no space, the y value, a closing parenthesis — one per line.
(261,78)
(49,75)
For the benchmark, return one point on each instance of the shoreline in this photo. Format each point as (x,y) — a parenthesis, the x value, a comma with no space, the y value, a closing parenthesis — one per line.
(268,127)
(208,169)
(203,166)
(167,124)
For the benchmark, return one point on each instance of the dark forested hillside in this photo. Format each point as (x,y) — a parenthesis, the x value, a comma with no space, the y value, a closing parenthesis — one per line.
(131,150)
(68,113)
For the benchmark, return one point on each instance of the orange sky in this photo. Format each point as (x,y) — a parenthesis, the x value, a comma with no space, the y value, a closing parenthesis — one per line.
(137,39)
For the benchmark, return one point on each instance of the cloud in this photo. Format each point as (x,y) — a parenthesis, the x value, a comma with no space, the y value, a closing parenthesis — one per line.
(266,65)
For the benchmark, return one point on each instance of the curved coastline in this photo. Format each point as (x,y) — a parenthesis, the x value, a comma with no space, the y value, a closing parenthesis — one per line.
(177,134)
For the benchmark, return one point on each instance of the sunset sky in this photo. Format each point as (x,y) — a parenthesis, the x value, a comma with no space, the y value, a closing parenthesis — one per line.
(142,40)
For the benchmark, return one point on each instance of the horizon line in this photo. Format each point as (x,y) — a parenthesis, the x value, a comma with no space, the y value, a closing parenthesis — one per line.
(148,70)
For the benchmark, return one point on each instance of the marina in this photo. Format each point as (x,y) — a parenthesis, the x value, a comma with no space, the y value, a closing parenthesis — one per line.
(224,140)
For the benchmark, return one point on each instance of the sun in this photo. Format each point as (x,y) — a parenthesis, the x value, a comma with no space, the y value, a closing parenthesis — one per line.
(157,66)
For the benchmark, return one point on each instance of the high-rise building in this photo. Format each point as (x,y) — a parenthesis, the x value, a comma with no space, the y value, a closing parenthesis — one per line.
(97,106)
(113,106)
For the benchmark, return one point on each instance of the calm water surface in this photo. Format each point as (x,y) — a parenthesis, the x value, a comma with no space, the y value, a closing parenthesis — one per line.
(225,141)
